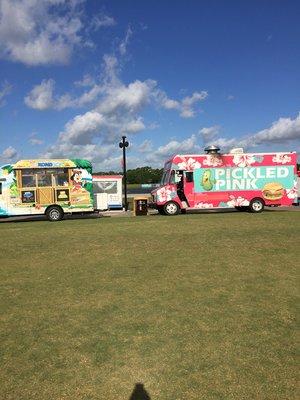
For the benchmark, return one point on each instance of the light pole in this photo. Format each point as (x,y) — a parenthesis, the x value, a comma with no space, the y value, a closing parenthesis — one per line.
(123,146)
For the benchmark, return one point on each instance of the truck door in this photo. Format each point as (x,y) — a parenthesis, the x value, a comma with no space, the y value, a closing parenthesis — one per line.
(188,187)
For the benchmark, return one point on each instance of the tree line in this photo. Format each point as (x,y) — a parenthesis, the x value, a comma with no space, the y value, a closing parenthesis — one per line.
(138,175)
(143,174)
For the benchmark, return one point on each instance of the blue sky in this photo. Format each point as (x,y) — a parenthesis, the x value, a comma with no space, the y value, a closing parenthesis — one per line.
(173,76)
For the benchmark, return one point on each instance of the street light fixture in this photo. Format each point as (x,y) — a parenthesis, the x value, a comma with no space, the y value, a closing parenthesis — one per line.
(123,146)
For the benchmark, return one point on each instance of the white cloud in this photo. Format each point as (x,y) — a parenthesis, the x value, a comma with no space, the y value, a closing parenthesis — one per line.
(102,20)
(224,144)
(86,97)
(82,128)
(186,106)
(170,104)
(34,140)
(128,98)
(86,81)
(209,133)
(8,155)
(174,146)
(5,90)
(134,126)
(163,153)
(111,70)
(230,97)
(145,147)
(41,96)
(187,110)
(103,156)
(283,131)
(92,152)
(124,43)
(113,115)
(116,110)
(41,32)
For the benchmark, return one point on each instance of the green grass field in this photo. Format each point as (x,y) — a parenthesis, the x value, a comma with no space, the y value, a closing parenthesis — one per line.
(194,307)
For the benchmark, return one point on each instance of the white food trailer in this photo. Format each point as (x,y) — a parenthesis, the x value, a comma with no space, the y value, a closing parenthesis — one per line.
(107,191)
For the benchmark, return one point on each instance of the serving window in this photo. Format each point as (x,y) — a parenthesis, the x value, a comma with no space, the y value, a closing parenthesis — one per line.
(44,178)
(109,187)
(60,177)
(55,177)
(28,178)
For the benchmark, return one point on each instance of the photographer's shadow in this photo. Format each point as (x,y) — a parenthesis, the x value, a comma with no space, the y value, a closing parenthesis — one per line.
(139,393)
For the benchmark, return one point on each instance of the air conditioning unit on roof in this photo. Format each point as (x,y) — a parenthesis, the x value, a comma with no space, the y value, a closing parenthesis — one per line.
(238,150)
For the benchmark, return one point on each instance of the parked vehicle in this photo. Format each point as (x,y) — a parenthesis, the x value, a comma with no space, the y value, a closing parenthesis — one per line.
(245,181)
(298,185)
(50,187)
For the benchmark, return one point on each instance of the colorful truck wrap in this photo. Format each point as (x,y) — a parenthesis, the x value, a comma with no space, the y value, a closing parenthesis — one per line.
(234,180)
(46,186)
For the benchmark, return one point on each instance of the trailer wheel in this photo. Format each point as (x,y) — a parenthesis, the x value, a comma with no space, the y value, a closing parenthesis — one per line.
(54,213)
(256,205)
(171,208)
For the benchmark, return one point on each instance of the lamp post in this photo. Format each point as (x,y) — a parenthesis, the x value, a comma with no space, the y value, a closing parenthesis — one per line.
(123,146)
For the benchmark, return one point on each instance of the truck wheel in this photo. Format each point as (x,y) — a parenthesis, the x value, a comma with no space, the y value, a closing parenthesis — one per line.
(54,213)
(256,205)
(161,210)
(171,208)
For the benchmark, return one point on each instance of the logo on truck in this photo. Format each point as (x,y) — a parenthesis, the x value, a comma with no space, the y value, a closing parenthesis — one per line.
(247,178)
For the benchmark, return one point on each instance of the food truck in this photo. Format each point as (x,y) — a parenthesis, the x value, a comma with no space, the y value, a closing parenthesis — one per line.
(46,186)
(245,181)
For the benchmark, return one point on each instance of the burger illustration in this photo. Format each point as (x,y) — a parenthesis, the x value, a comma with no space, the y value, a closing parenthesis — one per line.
(273,191)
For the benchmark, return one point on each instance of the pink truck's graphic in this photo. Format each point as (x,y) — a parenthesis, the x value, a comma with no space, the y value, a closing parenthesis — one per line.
(235,180)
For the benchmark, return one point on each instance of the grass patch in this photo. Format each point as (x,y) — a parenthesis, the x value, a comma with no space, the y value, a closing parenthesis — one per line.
(194,306)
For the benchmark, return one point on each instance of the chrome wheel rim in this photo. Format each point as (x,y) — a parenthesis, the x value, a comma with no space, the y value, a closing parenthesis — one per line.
(257,206)
(171,208)
(54,214)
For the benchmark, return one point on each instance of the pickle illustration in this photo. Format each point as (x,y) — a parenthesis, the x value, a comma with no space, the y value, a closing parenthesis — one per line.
(207,181)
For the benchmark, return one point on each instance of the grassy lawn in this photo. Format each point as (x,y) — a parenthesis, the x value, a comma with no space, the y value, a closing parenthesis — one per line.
(194,307)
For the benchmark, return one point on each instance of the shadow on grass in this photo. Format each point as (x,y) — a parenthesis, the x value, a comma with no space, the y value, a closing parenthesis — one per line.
(38,218)
(228,211)
(139,393)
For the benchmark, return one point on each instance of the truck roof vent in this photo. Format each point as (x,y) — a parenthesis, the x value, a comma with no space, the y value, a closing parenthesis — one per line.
(212,149)
(237,150)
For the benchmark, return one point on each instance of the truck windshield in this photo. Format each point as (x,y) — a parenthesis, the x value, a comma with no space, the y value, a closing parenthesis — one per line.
(165,177)
(168,177)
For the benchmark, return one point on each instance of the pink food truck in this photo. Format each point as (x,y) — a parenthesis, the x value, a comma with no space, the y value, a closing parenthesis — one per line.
(244,181)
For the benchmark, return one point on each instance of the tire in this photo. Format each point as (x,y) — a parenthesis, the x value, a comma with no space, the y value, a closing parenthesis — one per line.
(171,208)
(161,210)
(256,205)
(54,213)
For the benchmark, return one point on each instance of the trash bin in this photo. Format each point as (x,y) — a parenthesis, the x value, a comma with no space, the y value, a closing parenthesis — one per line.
(140,206)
